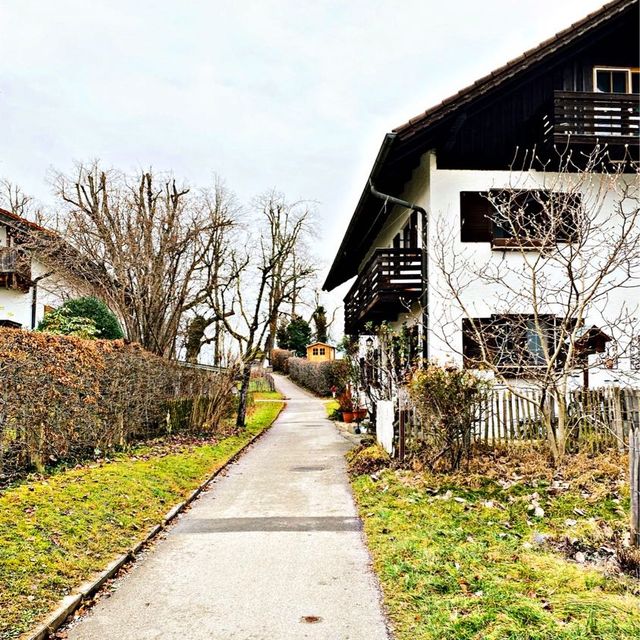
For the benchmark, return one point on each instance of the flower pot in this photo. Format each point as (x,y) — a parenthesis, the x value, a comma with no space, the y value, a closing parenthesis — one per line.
(348,416)
(360,414)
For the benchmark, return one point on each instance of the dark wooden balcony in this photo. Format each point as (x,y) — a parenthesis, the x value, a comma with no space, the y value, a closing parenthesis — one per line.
(15,269)
(584,118)
(390,281)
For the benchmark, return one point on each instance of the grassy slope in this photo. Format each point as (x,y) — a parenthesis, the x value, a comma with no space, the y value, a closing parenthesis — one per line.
(57,532)
(461,570)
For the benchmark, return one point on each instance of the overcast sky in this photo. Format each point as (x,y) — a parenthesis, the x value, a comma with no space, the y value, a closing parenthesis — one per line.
(269,93)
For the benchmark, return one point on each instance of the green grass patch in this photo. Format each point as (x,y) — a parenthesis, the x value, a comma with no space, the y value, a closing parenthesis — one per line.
(267,395)
(459,556)
(57,532)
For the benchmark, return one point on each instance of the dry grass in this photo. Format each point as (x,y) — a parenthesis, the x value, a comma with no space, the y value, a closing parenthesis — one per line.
(507,549)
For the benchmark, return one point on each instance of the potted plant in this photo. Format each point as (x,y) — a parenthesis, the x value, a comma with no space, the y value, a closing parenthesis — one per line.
(360,413)
(345,403)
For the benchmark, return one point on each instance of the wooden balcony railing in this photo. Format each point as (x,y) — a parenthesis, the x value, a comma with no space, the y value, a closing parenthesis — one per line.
(582,118)
(15,269)
(390,281)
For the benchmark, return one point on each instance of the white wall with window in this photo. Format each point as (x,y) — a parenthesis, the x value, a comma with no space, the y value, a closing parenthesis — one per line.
(439,191)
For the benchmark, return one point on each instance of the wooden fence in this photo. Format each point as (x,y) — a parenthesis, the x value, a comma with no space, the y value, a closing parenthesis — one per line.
(634,480)
(597,418)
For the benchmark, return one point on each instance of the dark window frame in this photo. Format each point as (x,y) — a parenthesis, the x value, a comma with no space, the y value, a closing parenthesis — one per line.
(507,339)
(480,218)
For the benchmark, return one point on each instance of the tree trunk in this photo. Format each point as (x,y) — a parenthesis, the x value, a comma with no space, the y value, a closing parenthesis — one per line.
(244,393)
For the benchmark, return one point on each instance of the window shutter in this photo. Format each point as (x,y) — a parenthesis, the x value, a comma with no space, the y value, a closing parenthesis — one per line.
(471,351)
(475,217)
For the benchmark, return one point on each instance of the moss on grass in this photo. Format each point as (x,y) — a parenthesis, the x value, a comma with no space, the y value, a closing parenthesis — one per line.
(57,532)
(458,559)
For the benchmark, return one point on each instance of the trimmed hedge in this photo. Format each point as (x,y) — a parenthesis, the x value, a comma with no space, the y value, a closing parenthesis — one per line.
(279,360)
(319,377)
(65,398)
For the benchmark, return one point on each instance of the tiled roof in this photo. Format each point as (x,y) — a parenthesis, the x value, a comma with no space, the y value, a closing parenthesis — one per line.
(513,67)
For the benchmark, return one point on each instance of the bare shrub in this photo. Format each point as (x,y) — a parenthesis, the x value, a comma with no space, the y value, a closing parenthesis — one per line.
(367,459)
(444,399)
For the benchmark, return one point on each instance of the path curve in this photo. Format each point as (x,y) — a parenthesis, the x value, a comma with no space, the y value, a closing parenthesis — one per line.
(272,551)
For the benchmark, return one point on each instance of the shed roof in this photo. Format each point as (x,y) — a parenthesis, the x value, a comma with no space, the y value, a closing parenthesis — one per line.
(324,344)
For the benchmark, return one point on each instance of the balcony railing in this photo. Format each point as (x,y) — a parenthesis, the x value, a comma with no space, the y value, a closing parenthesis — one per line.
(583,118)
(390,281)
(15,269)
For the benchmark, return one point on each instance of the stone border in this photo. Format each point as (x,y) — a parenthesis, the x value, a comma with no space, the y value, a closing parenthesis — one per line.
(70,604)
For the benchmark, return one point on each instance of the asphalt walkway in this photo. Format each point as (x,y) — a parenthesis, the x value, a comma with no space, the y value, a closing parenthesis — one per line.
(272,551)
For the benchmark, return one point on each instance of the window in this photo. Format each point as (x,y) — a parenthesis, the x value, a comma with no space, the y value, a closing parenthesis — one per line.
(517,219)
(512,343)
(315,351)
(408,237)
(616,80)
(321,351)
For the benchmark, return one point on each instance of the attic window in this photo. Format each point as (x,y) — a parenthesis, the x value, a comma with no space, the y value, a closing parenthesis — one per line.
(616,80)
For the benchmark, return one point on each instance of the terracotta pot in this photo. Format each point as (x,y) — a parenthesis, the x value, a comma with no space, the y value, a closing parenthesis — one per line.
(348,416)
(360,414)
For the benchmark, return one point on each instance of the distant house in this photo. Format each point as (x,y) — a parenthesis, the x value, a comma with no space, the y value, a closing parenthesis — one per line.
(320,352)
(28,287)
(575,91)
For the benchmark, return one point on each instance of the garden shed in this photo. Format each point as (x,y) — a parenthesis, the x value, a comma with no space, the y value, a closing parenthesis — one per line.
(320,352)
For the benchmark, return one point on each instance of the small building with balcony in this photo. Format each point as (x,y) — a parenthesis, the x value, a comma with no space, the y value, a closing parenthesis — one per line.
(518,134)
(28,287)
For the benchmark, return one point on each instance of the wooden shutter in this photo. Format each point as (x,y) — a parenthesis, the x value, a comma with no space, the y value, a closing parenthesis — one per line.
(475,217)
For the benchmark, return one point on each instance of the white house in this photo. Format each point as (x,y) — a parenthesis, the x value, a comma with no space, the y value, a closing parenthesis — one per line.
(28,287)
(424,244)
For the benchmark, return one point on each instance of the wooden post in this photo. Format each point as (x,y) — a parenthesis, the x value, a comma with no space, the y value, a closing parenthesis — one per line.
(634,478)
(616,398)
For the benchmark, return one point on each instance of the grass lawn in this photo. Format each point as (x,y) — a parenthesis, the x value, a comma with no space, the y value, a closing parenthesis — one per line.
(57,532)
(267,395)
(464,556)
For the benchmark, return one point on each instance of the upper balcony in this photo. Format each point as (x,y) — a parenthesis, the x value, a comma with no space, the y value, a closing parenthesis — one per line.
(15,269)
(585,118)
(390,281)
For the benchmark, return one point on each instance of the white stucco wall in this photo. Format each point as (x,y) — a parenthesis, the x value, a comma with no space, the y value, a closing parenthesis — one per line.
(416,192)
(51,291)
(438,191)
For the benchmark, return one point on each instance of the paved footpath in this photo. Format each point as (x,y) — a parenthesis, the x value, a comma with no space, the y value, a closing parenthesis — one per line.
(273,551)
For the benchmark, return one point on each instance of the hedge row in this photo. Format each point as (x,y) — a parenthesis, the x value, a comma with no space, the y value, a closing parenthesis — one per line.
(63,397)
(280,360)
(319,377)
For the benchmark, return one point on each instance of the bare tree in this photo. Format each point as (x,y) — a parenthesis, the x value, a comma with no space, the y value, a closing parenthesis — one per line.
(292,272)
(143,243)
(220,207)
(15,200)
(563,282)
(257,279)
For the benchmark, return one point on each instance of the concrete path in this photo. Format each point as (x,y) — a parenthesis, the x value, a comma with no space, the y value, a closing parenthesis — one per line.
(273,551)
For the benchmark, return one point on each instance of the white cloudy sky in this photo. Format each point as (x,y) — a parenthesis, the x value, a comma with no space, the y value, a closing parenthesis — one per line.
(266,93)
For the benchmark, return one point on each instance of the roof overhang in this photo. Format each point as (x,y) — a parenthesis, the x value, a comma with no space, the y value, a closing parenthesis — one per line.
(402,149)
